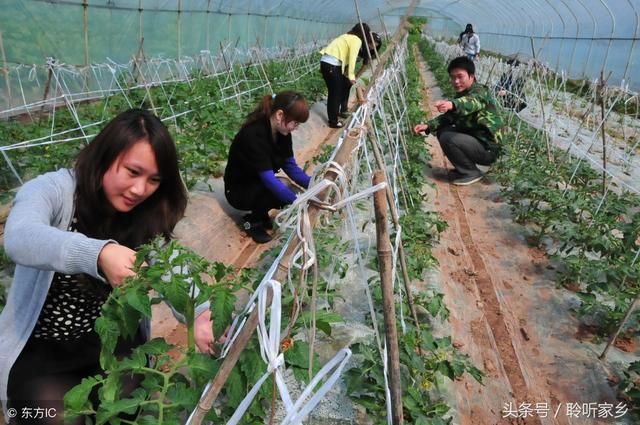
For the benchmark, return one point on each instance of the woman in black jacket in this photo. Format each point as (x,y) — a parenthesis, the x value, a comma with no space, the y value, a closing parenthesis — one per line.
(261,148)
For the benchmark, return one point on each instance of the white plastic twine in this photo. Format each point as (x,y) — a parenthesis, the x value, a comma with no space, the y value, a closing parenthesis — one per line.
(300,409)
(269,349)
(269,338)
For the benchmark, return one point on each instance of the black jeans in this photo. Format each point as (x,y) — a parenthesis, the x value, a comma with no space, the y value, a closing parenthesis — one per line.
(338,88)
(464,151)
(254,197)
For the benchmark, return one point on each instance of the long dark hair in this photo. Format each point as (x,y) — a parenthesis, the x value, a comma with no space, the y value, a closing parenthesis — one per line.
(293,105)
(158,214)
(357,31)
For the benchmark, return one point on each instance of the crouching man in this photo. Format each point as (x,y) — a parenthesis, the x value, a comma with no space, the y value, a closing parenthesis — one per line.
(469,128)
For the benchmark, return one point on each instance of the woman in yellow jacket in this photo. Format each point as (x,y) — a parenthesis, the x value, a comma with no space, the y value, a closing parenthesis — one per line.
(338,67)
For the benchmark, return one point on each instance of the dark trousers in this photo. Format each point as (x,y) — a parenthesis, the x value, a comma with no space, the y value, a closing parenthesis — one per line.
(45,370)
(464,151)
(338,88)
(254,197)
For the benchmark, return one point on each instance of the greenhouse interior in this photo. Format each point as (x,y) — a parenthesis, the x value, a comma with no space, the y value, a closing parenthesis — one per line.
(369,212)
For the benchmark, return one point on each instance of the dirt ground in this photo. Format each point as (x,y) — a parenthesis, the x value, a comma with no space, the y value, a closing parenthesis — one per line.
(507,313)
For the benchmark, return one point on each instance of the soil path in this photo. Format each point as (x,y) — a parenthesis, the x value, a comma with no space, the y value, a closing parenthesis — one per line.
(506,312)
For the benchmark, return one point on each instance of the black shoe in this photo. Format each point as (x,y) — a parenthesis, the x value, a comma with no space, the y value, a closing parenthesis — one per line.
(336,124)
(257,232)
(265,221)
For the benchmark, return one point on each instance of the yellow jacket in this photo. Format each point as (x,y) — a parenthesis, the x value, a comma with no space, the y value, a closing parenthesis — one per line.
(345,48)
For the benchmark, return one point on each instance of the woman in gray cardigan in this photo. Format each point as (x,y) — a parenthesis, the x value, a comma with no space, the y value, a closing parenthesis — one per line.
(72,235)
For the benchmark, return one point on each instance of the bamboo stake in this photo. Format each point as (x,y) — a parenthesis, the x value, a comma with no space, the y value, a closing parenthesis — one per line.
(342,157)
(5,70)
(631,309)
(391,333)
(179,25)
(47,87)
(601,94)
(264,72)
(364,35)
(85,28)
(613,338)
(142,77)
(400,31)
(544,119)
(377,154)
(384,27)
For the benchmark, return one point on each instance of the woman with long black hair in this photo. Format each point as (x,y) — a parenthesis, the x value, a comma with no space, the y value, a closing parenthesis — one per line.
(73,234)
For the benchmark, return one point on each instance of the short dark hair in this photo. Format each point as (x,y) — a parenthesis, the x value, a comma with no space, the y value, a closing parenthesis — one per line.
(158,214)
(462,62)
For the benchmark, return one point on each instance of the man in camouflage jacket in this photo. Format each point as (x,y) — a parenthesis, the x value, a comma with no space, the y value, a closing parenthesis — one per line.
(469,130)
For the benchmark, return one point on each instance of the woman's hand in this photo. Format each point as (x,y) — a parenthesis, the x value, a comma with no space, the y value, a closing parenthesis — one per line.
(443,105)
(116,262)
(203,329)
(419,128)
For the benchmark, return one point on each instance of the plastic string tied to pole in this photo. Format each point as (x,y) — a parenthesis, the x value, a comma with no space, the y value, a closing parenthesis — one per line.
(269,338)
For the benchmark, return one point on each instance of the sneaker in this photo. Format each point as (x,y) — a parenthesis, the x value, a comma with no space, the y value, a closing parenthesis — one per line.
(484,169)
(467,180)
(338,124)
(264,222)
(257,232)
(267,223)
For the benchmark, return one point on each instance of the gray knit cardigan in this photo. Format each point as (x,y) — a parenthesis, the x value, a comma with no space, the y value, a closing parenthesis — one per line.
(37,240)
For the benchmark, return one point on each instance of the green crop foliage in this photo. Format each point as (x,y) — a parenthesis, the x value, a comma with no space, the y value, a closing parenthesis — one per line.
(202,136)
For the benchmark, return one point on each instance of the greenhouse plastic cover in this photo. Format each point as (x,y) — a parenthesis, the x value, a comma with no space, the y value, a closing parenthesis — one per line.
(580,37)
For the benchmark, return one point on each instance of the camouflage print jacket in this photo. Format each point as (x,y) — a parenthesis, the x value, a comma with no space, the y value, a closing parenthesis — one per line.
(475,112)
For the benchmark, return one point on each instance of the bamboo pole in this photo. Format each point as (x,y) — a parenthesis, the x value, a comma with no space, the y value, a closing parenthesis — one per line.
(264,72)
(364,34)
(400,31)
(140,21)
(544,119)
(142,77)
(179,25)
(5,70)
(47,87)
(388,301)
(342,157)
(377,154)
(613,338)
(85,29)
(601,94)
(631,309)
(384,27)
